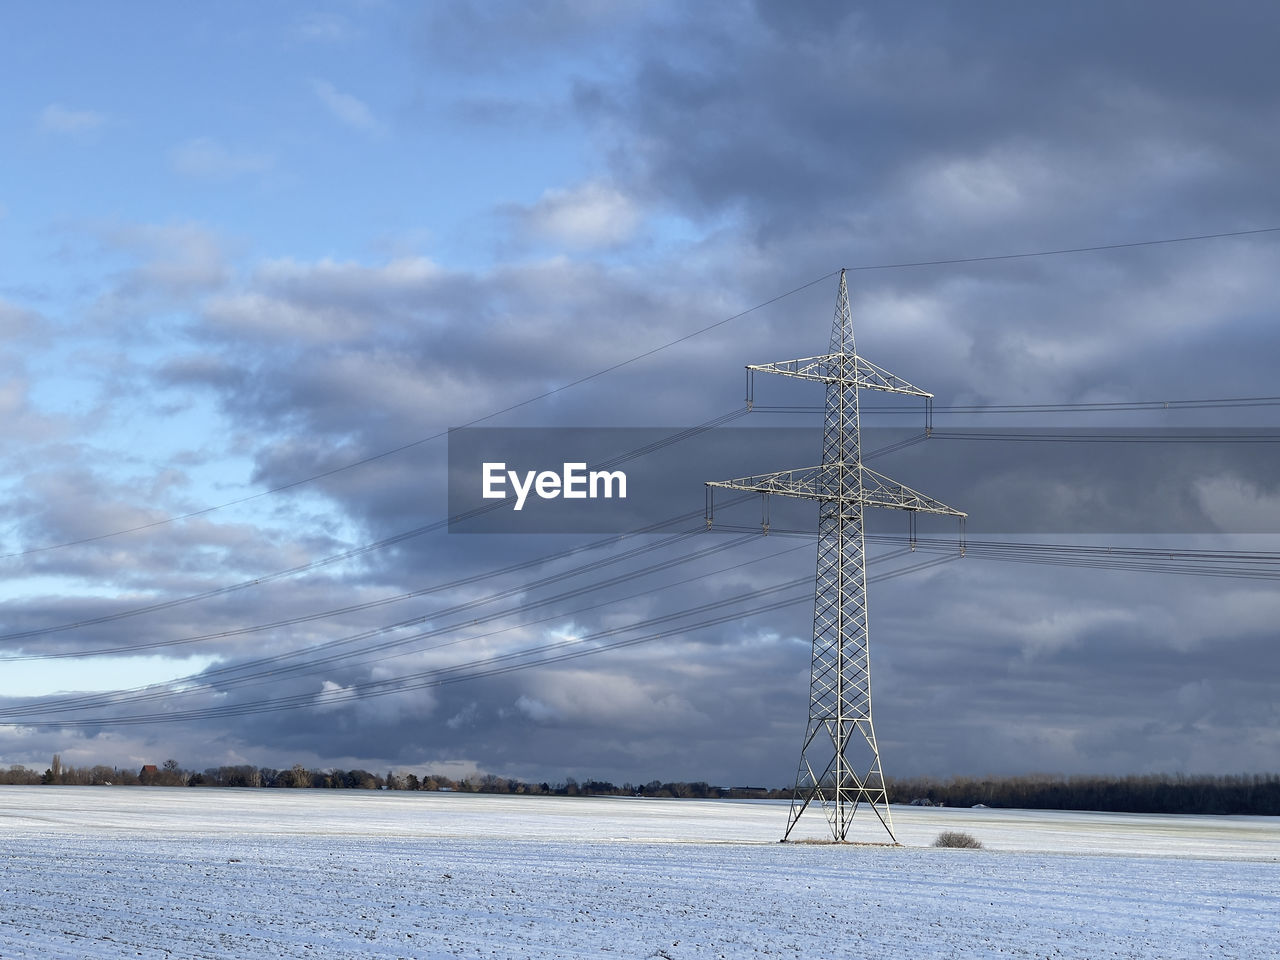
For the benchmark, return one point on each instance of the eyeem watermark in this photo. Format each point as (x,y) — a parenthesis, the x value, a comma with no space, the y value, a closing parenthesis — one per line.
(1011,481)
(573,482)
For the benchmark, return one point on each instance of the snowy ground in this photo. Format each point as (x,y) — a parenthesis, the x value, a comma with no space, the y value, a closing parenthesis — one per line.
(135,872)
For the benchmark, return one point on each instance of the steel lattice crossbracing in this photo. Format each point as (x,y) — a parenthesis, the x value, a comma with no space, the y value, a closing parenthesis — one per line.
(840,762)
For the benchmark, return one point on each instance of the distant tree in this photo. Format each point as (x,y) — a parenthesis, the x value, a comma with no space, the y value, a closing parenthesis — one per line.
(491,784)
(411,782)
(243,775)
(76,776)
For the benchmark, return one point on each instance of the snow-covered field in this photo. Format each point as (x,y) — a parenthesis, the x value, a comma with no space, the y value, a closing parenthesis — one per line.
(137,872)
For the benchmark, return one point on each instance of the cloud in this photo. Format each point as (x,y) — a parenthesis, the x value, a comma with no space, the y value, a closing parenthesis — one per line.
(318,27)
(59,119)
(344,107)
(477,38)
(929,129)
(207,159)
(327,301)
(25,422)
(19,323)
(589,216)
(173,261)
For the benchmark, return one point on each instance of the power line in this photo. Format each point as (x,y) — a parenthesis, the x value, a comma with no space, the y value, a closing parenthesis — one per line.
(1118,406)
(418,681)
(493,665)
(1168,437)
(1065,250)
(1239,564)
(1229,564)
(384,601)
(388,541)
(364,461)
(350,608)
(1233,565)
(642,451)
(278,665)
(151,692)
(230,588)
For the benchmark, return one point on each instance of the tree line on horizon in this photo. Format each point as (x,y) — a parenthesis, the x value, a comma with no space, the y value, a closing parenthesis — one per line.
(1237,794)
(1229,794)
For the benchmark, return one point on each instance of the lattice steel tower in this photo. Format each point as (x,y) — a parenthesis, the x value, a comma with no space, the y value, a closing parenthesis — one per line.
(840,763)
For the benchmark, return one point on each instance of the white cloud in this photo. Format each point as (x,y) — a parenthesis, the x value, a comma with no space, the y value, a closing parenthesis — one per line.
(534,709)
(55,118)
(325,301)
(332,696)
(996,185)
(405,273)
(206,158)
(1236,505)
(348,109)
(612,698)
(590,215)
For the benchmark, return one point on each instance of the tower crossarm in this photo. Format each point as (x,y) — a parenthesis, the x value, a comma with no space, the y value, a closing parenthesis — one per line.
(836,368)
(808,483)
(831,482)
(879,491)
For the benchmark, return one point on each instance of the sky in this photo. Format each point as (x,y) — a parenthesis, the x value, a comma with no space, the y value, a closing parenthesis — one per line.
(256,261)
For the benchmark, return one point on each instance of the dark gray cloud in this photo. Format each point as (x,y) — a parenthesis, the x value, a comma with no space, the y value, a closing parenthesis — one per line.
(817,116)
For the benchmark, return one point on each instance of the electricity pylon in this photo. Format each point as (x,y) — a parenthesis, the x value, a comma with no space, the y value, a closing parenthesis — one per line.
(840,762)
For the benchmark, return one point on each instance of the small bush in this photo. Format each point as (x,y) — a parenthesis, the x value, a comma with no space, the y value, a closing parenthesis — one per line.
(954,838)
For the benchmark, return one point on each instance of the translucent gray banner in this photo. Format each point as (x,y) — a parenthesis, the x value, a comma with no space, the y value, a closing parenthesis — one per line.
(1008,481)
